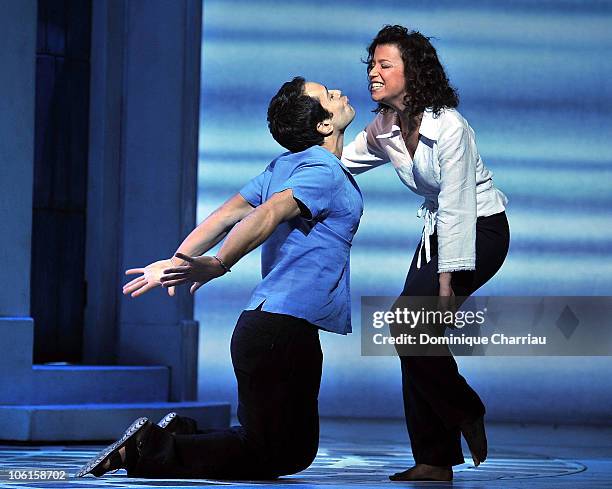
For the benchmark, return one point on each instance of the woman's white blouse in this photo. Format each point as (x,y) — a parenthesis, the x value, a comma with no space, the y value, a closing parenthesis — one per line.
(447,170)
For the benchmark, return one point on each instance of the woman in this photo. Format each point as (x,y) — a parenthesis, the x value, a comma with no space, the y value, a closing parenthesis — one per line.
(465,237)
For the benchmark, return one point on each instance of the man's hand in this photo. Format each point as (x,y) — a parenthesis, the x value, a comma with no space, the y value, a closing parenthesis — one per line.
(149,279)
(197,269)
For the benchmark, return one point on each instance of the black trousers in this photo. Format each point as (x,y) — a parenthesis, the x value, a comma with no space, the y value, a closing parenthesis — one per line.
(437,399)
(277,360)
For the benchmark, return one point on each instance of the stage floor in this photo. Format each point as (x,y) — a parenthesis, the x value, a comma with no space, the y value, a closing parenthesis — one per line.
(364,453)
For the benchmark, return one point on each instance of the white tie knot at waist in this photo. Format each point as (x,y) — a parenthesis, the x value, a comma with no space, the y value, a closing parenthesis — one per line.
(428,229)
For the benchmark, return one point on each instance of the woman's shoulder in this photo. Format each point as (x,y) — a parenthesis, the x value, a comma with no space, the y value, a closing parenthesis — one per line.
(448,123)
(449,117)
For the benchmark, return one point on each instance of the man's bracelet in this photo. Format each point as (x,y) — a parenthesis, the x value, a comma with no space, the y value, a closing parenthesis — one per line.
(223,265)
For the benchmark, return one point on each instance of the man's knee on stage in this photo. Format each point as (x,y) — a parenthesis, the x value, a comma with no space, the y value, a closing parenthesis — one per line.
(293,457)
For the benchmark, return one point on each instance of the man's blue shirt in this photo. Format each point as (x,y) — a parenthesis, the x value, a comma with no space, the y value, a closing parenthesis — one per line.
(305,263)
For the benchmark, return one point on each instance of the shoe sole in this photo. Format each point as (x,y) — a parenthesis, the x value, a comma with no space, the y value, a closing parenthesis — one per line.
(95,462)
(166,420)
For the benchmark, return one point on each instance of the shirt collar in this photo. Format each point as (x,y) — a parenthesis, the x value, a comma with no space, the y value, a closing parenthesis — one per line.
(429,125)
(338,160)
(428,129)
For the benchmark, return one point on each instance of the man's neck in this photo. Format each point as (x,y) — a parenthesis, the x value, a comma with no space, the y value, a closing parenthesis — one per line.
(334,144)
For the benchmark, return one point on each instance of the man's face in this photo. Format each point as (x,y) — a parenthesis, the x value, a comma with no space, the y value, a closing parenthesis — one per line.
(334,102)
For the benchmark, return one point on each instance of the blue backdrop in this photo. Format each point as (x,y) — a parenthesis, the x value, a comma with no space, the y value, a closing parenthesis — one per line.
(533,79)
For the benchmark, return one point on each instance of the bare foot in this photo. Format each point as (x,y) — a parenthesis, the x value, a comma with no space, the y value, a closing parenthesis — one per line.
(476,438)
(424,472)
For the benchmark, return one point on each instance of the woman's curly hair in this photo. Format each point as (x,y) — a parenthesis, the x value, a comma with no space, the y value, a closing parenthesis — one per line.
(427,85)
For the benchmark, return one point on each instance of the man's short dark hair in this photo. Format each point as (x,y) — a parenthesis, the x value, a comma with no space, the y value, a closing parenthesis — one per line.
(293,117)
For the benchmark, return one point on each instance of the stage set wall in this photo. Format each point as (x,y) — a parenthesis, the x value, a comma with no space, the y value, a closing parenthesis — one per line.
(18,25)
(533,80)
(139,356)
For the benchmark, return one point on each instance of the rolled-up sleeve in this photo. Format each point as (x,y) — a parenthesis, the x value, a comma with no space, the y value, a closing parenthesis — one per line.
(251,192)
(363,153)
(456,217)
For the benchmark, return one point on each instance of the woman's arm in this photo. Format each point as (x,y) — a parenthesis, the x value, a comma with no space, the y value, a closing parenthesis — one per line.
(456,218)
(363,153)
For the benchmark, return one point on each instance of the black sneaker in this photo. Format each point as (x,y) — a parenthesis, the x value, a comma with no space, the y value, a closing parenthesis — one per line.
(178,425)
(168,421)
(129,440)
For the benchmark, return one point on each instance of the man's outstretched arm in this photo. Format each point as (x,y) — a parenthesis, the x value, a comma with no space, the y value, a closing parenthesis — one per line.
(206,235)
(215,227)
(247,235)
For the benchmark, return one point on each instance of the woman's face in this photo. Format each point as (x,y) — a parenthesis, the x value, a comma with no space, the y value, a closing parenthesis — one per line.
(387,81)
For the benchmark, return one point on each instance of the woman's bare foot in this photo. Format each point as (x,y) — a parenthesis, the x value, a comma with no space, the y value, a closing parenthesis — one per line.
(476,438)
(424,472)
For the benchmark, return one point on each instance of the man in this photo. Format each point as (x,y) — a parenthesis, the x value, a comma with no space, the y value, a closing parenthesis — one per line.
(305,209)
